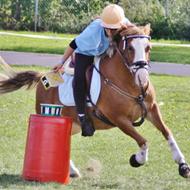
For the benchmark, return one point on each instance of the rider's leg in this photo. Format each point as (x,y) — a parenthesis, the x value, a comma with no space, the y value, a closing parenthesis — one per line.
(79,90)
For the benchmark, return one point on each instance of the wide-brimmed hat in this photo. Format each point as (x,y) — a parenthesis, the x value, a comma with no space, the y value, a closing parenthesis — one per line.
(112,16)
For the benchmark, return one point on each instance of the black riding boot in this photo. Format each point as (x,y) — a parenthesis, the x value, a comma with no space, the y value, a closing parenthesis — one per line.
(86,126)
(79,91)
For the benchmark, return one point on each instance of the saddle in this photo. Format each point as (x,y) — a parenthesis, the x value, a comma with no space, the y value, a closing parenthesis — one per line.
(64,82)
(69,69)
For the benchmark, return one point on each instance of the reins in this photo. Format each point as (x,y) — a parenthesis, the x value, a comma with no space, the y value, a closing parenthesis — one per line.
(135,65)
(140,98)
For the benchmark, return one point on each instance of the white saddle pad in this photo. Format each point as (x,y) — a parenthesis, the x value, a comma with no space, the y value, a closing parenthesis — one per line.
(66,90)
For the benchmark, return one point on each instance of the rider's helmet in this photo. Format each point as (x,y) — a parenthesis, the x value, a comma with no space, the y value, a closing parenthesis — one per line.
(112,16)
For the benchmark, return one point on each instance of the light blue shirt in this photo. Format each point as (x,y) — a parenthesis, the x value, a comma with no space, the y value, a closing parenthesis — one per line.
(93,40)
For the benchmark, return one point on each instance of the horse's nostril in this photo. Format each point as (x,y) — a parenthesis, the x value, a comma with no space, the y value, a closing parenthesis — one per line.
(141,63)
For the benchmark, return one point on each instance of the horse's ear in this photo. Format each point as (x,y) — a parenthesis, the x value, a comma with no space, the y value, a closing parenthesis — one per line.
(147,29)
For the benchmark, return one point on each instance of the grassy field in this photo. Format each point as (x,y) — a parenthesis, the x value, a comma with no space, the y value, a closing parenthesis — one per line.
(110,150)
(171,54)
(23,44)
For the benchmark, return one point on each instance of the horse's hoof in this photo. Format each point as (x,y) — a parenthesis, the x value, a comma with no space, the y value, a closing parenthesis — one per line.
(184,170)
(74,172)
(133,162)
(75,175)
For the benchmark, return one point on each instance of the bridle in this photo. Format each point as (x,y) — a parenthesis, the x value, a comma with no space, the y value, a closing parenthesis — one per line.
(133,68)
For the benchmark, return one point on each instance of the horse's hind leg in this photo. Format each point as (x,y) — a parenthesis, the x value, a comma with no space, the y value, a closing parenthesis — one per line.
(155,118)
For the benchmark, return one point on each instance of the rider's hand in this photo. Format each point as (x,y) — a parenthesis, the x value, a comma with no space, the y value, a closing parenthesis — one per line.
(58,67)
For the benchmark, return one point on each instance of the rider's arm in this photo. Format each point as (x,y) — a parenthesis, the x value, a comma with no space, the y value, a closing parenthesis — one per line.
(69,51)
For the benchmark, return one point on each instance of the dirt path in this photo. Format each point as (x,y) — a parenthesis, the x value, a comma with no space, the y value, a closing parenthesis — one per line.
(49,60)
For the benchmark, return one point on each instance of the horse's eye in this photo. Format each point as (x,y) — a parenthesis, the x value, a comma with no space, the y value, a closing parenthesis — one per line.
(130,48)
(148,48)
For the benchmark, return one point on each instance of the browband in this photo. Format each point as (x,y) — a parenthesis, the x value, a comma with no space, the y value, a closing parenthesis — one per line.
(138,36)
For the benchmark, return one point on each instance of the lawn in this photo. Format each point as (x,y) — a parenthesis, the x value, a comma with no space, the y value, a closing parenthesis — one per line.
(110,150)
(171,54)
(23,44)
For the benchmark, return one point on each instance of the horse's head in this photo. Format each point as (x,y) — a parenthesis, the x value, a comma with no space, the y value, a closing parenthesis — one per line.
(133,45)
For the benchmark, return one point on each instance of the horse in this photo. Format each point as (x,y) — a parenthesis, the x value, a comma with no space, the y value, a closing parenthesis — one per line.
(125,83)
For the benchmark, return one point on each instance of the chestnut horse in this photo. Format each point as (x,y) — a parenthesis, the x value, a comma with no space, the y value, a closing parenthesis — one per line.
(125,90)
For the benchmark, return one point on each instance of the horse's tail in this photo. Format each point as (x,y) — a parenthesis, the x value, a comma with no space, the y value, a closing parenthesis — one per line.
(7,69)
(26,79)
(15,80)
(3,77)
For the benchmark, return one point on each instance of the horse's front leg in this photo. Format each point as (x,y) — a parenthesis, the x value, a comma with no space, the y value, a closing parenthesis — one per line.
(141,157)
(155,118)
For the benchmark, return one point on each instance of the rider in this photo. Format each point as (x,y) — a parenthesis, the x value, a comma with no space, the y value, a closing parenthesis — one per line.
(93,41)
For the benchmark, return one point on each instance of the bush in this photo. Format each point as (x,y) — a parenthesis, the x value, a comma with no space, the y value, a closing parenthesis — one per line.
(72,16)
(175,26)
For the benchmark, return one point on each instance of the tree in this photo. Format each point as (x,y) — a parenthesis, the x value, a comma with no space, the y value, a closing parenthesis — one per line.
(16,14)
(146,11)
(168,18)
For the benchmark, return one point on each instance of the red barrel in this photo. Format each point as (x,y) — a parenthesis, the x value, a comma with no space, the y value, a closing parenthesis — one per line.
(47,151)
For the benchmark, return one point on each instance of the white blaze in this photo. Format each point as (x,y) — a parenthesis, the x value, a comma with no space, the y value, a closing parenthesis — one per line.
(139,45)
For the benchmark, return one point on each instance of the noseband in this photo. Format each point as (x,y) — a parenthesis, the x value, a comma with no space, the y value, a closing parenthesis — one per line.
(134,67)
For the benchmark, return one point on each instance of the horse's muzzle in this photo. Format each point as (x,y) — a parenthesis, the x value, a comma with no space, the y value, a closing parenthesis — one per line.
(139,65)
(140,69)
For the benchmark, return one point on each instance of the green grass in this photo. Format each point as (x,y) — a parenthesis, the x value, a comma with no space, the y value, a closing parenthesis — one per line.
(73,35)
(41,33)
(171,41)
(112,149)
(171,54)
(23,44)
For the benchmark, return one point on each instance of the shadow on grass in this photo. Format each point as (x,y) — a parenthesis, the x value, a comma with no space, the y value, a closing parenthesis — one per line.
(7,180)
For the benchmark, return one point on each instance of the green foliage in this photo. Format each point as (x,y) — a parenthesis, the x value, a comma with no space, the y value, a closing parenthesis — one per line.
(169,18)
(69,15)
(16,14)
(180,19)
(146,11)
(171,25)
